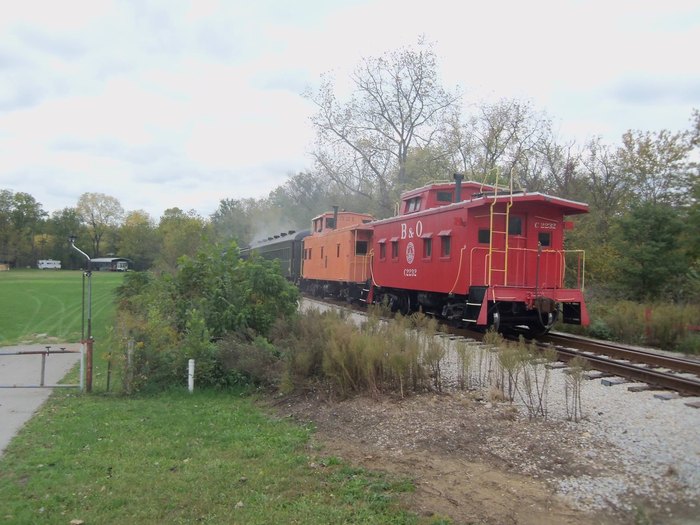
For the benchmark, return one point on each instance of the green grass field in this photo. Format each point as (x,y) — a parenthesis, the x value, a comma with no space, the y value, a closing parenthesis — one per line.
(210,457)
(207,457)
(44,306)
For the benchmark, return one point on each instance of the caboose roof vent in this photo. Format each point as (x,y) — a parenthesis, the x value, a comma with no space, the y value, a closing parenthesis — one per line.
(458,186)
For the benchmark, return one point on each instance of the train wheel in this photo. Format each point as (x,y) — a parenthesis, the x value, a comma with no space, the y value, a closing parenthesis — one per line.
(539,326)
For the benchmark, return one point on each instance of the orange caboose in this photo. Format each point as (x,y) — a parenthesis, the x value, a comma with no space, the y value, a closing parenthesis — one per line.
(336,255)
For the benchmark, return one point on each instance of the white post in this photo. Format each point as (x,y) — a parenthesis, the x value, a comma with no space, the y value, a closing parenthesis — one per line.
(190,376)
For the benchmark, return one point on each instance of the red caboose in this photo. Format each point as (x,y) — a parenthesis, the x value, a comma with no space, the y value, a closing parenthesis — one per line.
(336,255)
(481,255)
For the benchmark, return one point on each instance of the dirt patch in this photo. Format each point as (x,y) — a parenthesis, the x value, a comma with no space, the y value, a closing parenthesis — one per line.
(471,460)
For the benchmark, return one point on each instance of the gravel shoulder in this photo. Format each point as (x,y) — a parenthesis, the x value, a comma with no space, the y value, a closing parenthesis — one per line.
(633,458)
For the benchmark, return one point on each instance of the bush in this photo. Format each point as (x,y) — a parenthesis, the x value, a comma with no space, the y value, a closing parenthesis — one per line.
(213,295)
(599,329)
(255,362)
(690,344)
(662,326)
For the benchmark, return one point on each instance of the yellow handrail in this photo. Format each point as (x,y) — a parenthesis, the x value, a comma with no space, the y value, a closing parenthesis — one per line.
(459,270)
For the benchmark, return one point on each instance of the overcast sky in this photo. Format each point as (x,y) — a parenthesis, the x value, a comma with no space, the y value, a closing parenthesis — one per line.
(182,104)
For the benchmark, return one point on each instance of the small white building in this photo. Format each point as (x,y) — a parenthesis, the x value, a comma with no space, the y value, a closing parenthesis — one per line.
(48,264)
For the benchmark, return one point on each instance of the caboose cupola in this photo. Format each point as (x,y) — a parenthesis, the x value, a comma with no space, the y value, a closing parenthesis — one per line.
(439,194)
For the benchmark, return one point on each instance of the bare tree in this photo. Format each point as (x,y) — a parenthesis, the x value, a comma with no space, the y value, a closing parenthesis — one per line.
(100,213)
(560,164)
(608,186)
(501,136)
(397,103)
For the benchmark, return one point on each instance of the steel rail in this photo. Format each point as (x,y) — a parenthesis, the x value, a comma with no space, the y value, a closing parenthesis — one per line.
(684,385)
(678,363)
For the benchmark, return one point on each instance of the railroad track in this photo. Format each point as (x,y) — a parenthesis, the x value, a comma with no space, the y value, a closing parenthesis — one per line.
(658,370)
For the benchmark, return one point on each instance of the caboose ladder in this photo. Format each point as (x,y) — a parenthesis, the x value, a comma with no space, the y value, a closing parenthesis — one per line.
(494,235)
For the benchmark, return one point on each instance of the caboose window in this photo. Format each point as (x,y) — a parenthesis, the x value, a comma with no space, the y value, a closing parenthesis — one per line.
(427,248)
(337,250)
(394,249)
(544,238)
(382,251)
(413,204)
(330,222)
(484,236)
(515,226)
(444,196)
(360,248)
(445,246)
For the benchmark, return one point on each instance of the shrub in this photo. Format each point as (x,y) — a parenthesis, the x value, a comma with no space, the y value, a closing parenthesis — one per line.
(255,362)
(174,318)
(662,326)
(599,329)
(690,344)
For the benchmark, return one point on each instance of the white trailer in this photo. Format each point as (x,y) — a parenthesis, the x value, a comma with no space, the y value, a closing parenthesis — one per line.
(48,264)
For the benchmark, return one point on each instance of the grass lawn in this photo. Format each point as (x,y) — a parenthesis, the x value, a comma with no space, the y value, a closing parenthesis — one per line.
(45,305)
(210,457)
(207,457)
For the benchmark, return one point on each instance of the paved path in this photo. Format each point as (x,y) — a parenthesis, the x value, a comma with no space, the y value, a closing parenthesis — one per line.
(17,405)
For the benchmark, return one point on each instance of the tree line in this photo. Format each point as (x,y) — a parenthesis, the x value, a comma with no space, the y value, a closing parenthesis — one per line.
(400,128)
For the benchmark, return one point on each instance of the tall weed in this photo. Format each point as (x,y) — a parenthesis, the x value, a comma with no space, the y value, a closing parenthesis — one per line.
(572,387)
(377,357)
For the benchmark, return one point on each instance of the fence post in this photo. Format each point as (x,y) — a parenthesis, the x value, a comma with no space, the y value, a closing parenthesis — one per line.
(82,367)
(190,375)
(129,366)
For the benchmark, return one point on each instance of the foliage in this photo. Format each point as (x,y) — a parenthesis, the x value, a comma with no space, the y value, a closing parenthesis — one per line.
(660,325)
(233,294)
(649,253)
(658,165)
(100,213)
(214,295)
(139,240)
(255,362)
(20,222)
(181,234)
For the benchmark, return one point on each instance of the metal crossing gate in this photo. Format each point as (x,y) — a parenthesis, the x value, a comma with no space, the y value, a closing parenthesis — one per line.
(41,373)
